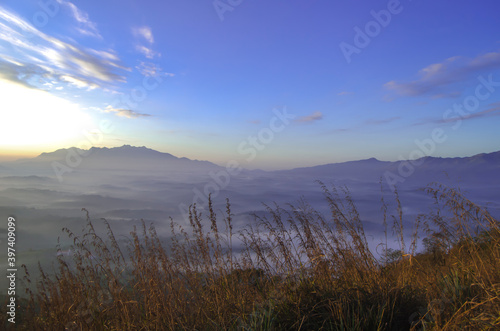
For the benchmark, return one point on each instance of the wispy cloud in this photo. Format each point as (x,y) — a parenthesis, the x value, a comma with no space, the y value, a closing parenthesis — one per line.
(492,111)
(41,58)
(453,94)
(382,121)
(152,70)
(86,26)
(78,82)
(369,122)
(144,33)
(146,51)
(125,112)
(436,78)
(316,116)
(345,93)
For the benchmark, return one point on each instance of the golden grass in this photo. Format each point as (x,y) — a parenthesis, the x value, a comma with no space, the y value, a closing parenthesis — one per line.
(296,270)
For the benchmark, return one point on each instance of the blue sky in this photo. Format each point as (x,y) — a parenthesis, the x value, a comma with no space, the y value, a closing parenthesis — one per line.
(201,78)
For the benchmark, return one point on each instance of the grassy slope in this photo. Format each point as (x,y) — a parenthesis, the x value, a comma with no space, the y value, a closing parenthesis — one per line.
(299,270)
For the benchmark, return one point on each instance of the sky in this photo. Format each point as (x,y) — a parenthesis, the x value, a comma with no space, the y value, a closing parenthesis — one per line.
(271,84)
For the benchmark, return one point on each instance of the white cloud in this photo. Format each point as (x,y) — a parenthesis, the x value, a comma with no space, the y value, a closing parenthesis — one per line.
(78,82)
(152,70)
(108,55)
(144,32)
(41,57)
(87,27)
(147,52)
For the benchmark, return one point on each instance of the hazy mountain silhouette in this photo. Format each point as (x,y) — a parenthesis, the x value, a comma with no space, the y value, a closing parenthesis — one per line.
(481,167)
(125,158)
(145,159)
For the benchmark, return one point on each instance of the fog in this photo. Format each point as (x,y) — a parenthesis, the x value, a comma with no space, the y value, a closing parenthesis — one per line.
(127,184)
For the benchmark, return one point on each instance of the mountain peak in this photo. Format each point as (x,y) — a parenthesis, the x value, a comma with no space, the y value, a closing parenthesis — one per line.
(134,147)
(128,150)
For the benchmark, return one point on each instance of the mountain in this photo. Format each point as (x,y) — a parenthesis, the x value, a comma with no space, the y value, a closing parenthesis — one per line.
(118,159)
(142,161)
(483,167)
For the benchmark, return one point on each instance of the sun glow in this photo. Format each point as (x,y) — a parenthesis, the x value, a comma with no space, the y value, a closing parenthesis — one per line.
(34,118)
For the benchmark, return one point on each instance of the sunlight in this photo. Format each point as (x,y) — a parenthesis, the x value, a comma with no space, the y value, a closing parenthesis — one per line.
(33,117)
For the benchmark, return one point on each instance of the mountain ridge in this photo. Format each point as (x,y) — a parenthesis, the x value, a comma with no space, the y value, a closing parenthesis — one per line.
(493,156)
(119,156)
(126,157)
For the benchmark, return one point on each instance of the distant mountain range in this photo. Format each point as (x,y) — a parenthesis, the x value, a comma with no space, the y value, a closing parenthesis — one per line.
(483,167)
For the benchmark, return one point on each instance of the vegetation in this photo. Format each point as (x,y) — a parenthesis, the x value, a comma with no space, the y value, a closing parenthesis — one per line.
(292,270)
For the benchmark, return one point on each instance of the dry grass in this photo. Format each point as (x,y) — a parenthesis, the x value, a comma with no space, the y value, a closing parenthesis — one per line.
(297,269)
